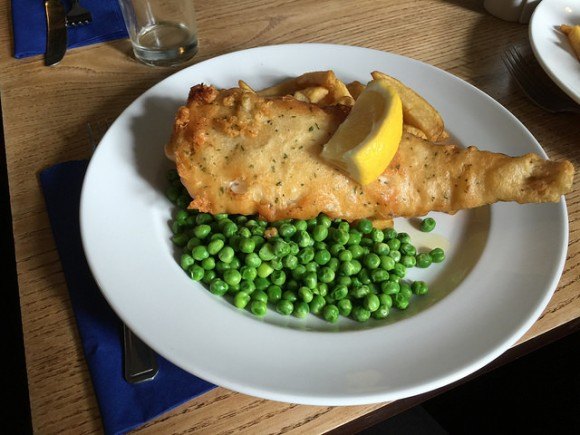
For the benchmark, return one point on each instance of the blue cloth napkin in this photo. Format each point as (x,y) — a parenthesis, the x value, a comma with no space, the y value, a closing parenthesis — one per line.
(123,406)
(29,25)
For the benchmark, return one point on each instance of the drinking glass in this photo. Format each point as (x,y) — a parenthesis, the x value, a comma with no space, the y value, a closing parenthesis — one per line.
(162,32)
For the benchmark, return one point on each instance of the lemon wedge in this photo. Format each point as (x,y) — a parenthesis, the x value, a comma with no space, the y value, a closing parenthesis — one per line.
(366,142)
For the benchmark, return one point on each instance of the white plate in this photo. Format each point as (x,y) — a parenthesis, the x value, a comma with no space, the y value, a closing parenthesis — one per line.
(552,48)
(503,261)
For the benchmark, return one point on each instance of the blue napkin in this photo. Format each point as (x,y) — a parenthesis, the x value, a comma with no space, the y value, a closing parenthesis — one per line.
(123,406)
(29,25)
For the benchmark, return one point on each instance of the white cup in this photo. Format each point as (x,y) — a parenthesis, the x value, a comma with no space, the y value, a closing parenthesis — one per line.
(511,10)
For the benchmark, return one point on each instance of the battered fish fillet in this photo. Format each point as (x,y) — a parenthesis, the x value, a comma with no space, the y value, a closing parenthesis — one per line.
(237,152)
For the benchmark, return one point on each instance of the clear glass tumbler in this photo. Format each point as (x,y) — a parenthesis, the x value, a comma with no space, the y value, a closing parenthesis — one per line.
(163,32)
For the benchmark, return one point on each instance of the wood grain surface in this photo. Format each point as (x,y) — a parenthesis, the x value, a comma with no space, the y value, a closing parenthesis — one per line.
(45,115)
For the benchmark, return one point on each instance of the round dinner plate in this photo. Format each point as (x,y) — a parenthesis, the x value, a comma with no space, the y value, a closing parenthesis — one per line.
(552,48)
(503,262)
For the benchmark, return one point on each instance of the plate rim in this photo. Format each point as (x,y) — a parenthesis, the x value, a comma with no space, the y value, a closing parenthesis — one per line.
(366,398)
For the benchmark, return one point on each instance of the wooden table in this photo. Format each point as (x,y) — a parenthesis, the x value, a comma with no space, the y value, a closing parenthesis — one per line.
(45,115)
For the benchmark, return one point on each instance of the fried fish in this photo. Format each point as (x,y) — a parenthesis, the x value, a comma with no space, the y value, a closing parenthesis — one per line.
(239,152)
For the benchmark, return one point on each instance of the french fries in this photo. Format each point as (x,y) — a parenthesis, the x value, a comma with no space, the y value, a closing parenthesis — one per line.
(573,34)
(325,89)
(417,112)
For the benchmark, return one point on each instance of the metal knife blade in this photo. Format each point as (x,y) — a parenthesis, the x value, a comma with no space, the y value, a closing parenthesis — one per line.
(56,37)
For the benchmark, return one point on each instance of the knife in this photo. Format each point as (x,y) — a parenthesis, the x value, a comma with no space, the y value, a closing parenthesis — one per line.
(56,35)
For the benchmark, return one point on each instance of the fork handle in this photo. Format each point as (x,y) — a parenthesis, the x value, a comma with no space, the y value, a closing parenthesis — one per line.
(140,361)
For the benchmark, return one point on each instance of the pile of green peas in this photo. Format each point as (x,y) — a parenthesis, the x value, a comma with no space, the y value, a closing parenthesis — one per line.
(322,266)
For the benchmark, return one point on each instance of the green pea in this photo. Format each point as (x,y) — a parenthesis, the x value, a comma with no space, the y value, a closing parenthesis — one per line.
(247,286)
(294,248)
(401,302)
(226,254)
(364,276)
(394,278)
(181,215)
(335,249)
(248,272)
(386,300)
(321,289)
(345,255)
(340,237)
(354,237)
(208,276)
(292,285)
(408,249)
(186,261)
(278,277)
(260,295)
(241,219)
(326,275)
(301,225)
(258,308)
(310,279)
(203,218)
(266,252)
(339,292)
(215,246)
(405,290)
(232,277)
(196,273)
(235,263)
(218,287)
(305,294)
(344,280)
(276,264)
(424,260)
(284,307)
(420,287)
(301,310)
(257,232)
(199,253)
(357,251)
(311,267)
(400,270)
(394,244)
(264,270)
(302,238)
(390,288)
(377,236)
(290,262)
(289,295)
(317,303)
(344,226)
(208,263)
(319,233)
(333,264)
(220,216)
(261,283)
(367,244)
(192,243)
(172,193)
(202,231)
(437,255)
(395,255)
(390,233)
(287,230)
(322,219)
(241,299)
(428,225)
(360,314)
(252,260)
(183,201)
(364,226)
(371,302)
(299,272)
(229,229)
(381,313)
(372,261)
(274,293)
(360,292)
(379,275)
(259,241)
(281,248)
(247,246)
(408,261)
(319,246)
(322,257)
(347,268)
(245,233)
(344,307)
(306,255)
(330,313)
(381,249)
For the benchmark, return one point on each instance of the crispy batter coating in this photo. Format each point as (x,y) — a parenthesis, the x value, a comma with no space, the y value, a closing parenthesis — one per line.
(237,152)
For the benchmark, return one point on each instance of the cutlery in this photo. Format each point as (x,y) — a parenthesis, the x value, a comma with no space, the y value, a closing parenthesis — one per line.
(56,38)
(77,15)
(140,362)
(535,83)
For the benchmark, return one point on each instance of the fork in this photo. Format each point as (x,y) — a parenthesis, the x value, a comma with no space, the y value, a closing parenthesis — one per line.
(77,15)
(140,362)
(535,83)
